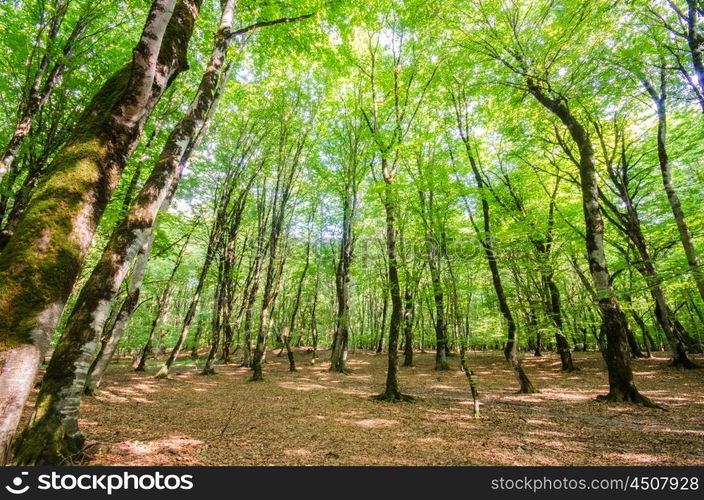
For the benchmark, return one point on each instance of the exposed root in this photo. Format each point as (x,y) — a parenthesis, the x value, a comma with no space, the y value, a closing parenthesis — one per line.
(634,397)
(684,363)
(344,371)
(571,369)
(393,398)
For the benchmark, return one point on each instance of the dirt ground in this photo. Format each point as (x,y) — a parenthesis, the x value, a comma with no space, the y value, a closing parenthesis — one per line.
(313,417)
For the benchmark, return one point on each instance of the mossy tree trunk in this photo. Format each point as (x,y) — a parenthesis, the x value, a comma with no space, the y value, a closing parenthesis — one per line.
(41,262)
(614,324)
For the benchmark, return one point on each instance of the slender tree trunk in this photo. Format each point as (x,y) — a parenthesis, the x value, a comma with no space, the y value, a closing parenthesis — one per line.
(384,316)
(196,339)
(690,252)
(629,223)
(472,383)
(555,311)
(438,297)
(42,87)
(314,314)
(217,321)
(644,331)
(338,361)
(392,392)
(286,334)
(251,293)
(266,314)
(408,320)
(162,310)
(213,248)
(19,205)
(100,365)
(511,347)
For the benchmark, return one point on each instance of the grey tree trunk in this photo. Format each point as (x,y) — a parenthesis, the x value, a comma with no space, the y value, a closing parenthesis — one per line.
(660,100)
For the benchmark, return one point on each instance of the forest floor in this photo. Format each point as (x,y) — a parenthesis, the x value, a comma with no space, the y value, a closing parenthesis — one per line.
(313,417)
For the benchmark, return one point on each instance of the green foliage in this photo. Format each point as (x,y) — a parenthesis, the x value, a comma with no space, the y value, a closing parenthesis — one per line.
(331,77)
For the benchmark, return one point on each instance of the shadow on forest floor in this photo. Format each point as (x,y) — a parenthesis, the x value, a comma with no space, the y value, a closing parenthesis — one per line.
(313,417)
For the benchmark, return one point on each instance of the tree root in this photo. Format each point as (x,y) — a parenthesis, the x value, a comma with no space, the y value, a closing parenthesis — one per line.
(634,397)
(48,446)
(344,371)
(684,363)
(393,398)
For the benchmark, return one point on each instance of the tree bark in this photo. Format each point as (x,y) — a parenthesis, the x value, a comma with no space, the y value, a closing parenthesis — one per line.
(53,236)
(392,392)
(338,361)
(100,364)
(511,347)
(408,321)
(660,101)
(213,248)
(438,296)
(614,324)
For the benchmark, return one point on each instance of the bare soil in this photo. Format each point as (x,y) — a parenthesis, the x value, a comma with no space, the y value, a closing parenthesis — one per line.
(314,417)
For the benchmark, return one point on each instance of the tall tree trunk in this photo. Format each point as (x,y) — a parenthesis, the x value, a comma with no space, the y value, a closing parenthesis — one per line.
(19,205)
(314,314)
(162,310)
(338,360)
(266,313)
(218,319)
(392,391)
(438,297)
(614,324)
(555,311)
(408,322)
(286,334)
(286,174)
(553,292)
(511,347)
(660,100)
(628,221)
(253,282)
(212,251)
(384,317)
(53,236)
